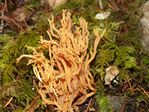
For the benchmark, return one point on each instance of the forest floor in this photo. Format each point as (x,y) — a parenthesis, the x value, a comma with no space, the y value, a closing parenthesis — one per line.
(23,22)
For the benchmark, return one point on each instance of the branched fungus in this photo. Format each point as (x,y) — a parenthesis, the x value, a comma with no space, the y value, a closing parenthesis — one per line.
(62,62)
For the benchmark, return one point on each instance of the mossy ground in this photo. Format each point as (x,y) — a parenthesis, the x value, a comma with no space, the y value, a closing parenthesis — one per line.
(120,47)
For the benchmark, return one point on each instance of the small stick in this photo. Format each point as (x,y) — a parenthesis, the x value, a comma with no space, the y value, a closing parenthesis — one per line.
(8,102)
(100,4)
(89,104)
(142,89)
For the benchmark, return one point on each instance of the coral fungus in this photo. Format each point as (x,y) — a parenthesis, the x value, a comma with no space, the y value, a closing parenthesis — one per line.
(62,62)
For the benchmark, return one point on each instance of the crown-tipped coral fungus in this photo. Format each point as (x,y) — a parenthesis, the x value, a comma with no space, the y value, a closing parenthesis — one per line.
(62,62)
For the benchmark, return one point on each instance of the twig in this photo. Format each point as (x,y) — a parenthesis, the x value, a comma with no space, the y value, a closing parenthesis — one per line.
(89,104)
(3,9)
(33,104)
(100,4)
(8,102)
(129,83)
(142,90)
(2,22)
(11,21)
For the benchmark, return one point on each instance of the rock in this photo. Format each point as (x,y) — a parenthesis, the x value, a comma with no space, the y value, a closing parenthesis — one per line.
(117,103)
(145,26)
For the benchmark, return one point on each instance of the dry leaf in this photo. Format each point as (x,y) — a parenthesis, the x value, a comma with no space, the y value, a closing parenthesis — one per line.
(111,73)
(102,15)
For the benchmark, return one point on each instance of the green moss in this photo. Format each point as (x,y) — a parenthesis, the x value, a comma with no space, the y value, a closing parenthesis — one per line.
(11,86)
(101,99)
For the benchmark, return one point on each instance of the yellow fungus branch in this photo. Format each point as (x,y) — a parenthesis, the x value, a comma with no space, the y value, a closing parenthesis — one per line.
(63,72)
